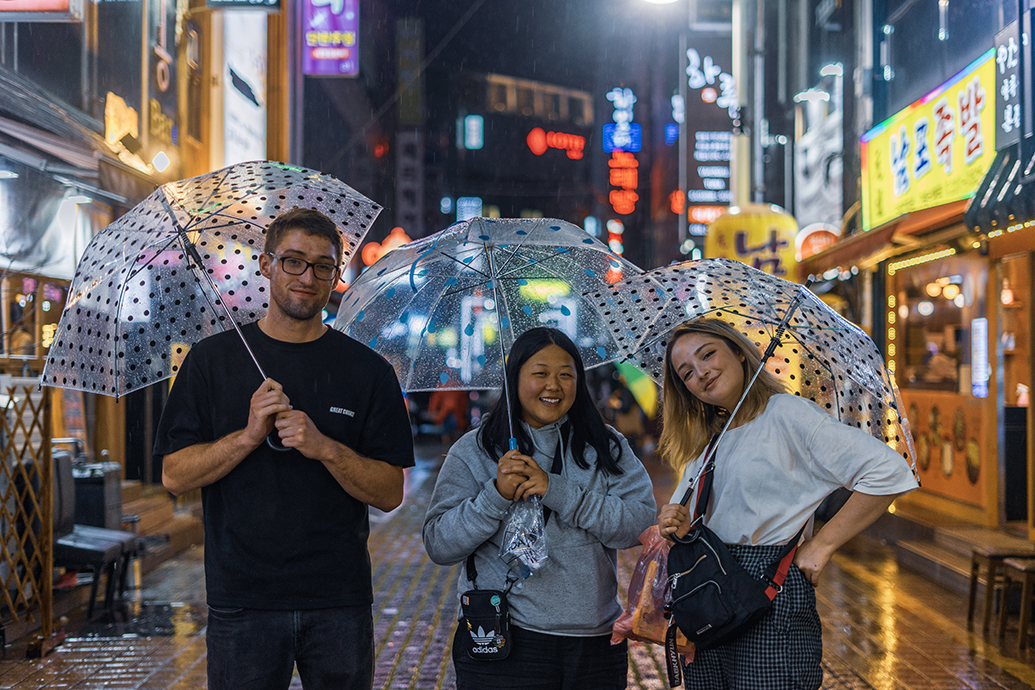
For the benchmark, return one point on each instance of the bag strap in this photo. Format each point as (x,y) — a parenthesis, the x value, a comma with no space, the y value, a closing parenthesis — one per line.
(703,482)
(776,572)
(472,575)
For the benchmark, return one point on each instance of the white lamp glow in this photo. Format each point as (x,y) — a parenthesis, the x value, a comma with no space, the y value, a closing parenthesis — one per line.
(160,161)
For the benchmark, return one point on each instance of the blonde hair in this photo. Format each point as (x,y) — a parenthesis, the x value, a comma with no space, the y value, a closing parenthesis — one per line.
(687,423)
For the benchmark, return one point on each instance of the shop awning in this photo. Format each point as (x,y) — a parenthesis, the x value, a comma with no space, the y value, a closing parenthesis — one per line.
(39,131)
(79,156)
(891,239)
(1002,198)
(24,101)
(848,251)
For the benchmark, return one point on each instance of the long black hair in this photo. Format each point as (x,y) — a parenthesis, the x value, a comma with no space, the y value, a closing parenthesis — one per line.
(587,423)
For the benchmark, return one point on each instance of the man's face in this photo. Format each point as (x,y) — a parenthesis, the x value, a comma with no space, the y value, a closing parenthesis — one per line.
(304,296)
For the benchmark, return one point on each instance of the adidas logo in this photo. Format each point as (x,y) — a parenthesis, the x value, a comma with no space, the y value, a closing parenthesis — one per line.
(486,642)
(483,638)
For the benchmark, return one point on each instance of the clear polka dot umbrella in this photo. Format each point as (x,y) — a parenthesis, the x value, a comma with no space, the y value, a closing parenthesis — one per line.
(181,265)
(820,355)
(444,308)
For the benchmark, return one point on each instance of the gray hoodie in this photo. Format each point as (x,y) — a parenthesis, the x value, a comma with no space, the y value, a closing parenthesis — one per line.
(574,593)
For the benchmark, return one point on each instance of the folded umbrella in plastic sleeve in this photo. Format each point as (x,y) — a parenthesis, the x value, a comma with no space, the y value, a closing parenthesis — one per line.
(524,537)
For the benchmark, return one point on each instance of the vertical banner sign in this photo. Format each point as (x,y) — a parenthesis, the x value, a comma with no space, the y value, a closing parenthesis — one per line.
(409,48)
(330,41)
(409,181)
(409,148)
(1008,84)
(162,102)
(244,87)
(621,139)
(711,105)
(935,151)
(1026,68)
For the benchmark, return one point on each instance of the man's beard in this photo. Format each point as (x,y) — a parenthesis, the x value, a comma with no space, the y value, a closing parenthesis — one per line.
(298,310)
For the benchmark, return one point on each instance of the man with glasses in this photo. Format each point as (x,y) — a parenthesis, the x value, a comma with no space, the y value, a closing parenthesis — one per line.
(287,468)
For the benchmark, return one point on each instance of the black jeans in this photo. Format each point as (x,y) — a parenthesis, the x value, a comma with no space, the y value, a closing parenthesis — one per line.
(546,662)
(258,649)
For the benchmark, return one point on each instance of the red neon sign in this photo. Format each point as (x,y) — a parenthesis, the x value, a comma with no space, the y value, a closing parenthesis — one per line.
(372,251)
(677,202)
(539,141)
(625,176)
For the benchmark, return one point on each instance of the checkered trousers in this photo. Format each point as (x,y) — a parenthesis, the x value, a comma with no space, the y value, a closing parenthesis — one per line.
(781,652)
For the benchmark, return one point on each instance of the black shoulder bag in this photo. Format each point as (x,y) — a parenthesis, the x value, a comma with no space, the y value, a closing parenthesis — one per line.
(712,599)
(485,620)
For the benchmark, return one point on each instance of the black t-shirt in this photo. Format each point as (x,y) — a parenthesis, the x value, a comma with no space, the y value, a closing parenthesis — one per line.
(280,532)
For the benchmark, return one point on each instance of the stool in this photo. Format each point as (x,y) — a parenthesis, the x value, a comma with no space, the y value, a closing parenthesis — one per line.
(991,557)
(103,552)
(1018,570)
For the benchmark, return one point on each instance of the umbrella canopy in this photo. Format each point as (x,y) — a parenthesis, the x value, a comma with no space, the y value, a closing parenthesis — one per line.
(444,308)
(821,355)
(182,265)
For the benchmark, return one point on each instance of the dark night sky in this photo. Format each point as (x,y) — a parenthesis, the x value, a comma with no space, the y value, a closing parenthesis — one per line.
(555,41)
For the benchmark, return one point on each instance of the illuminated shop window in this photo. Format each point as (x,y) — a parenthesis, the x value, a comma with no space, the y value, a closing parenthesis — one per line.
(931,308)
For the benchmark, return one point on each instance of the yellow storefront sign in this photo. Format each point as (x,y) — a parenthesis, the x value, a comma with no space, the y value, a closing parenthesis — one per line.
(759,235)
(935,151)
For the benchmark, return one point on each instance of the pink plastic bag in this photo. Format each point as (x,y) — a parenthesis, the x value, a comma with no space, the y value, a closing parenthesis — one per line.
(644,615)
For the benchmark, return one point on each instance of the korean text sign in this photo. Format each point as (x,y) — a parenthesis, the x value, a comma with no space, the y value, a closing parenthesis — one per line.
(935,151)
(330,40)
(1008,86)
(759,235)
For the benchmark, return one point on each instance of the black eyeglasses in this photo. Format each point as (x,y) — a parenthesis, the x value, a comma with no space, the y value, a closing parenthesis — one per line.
(297,267)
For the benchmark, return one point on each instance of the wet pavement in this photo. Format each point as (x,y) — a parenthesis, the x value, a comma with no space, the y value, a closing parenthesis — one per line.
(883,628)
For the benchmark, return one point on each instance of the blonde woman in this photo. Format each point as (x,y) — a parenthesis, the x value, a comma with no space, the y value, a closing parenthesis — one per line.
(781,456)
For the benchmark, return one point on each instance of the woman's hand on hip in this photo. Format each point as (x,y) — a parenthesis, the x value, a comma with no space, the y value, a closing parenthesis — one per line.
(811,558)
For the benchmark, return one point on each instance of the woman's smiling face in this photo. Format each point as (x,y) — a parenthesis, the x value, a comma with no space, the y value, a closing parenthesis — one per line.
(546,386)
(709,368)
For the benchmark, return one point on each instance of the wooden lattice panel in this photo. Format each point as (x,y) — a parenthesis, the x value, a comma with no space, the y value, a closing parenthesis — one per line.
(26,518)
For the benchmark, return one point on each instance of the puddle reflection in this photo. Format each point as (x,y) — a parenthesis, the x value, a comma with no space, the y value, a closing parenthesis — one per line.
(148,619)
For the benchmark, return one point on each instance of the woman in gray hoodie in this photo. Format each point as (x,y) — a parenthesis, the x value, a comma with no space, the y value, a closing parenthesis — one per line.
(597,498)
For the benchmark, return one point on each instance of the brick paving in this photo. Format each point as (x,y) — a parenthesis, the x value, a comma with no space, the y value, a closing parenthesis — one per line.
(884,629)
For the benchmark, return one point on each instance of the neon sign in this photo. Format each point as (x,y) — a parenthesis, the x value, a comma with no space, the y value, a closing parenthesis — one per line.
(703,73)
(372,251)
(539,141)
(624,175)
(705,214)
(624,134)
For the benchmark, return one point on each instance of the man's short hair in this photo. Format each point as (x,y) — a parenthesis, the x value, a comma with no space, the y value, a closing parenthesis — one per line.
(309,221)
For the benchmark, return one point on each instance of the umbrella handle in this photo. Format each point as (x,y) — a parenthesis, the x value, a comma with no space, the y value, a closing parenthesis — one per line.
(275,444)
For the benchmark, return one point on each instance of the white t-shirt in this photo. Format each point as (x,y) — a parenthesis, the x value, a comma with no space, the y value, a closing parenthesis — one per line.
(773,472)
